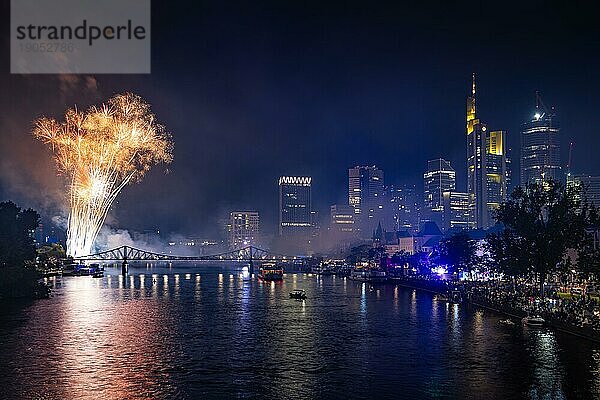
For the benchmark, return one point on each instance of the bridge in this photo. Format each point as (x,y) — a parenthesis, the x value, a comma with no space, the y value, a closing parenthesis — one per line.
(249,254)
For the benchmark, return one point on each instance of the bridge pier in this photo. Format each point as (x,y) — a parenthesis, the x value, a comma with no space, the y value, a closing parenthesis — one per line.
(124,266)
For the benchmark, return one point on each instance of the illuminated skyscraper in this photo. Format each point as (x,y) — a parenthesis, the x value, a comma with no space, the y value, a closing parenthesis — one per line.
(589,186)
(458,211)
(365,196)
(243,228)
(403,210)
(540,147)
(295,217)
(487,170)
(342,219)
(439,177)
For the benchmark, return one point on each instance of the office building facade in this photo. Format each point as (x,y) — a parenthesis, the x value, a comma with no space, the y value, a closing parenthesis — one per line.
(540,148)
(589,187)
(365,196)
(458,211)
(403,208)
(295,206)
(439,178)
(244,229)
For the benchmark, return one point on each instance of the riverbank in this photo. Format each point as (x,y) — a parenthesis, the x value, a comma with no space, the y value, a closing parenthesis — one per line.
(21,283)
(443,287)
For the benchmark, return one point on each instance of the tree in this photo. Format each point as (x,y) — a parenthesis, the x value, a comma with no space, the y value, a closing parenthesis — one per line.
(401,258)
(17,251)
(459,251)
(51,255)
(16,228)
(541,222)
(358,254)
(504,248)
(588,252)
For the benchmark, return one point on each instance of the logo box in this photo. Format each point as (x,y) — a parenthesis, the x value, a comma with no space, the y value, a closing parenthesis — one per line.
(80,37)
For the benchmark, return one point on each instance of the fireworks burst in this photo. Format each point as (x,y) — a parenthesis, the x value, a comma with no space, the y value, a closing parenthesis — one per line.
(101,151)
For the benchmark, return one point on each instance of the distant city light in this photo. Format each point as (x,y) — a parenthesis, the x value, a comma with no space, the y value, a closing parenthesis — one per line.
(439,270)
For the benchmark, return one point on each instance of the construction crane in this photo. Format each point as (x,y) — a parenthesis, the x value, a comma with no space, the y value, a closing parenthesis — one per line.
(570,161)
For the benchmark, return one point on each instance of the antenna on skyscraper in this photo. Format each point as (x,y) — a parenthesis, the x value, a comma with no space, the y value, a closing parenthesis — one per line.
(473,88)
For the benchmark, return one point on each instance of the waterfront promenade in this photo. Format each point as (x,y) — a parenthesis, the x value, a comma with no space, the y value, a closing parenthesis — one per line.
(578,315)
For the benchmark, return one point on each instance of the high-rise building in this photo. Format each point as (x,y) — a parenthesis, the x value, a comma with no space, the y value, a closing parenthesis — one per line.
(487,171)
(589,186)
(540,147)
(244,228)
(458,211)
(342,219)
(403,208)
(365,196)
(439,178)
(295,212)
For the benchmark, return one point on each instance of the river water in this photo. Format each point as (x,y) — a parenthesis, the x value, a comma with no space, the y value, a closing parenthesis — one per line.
(200,332)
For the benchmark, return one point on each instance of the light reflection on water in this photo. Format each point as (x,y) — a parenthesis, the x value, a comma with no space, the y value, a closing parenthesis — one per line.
(177,332)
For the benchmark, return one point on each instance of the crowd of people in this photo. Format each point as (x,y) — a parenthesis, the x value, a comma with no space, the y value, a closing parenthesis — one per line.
(521,298)
(580,310)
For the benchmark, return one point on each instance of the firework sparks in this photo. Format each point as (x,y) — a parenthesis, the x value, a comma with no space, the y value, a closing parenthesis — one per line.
(101,151)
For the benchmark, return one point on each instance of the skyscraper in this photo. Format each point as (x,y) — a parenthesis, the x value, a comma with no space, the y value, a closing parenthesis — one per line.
(342,220)
(244,228)
(295,213)
(540,146)
(439,177)
(365,196)
(589,186)
(487,171)
(403,207)
(458,211)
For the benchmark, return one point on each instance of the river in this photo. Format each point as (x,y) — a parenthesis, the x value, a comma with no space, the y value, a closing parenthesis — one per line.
(190,331)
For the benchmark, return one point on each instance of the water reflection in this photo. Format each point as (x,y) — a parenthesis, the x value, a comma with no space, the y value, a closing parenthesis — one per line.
(178,332)
(547,374)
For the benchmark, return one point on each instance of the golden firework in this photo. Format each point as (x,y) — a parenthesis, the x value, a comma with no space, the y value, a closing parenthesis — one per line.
(101,151)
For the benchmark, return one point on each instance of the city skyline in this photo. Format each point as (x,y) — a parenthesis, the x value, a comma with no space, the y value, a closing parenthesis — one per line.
(375,97)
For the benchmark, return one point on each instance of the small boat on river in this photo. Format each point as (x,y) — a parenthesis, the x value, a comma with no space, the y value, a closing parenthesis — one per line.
(533,320)
(298,294)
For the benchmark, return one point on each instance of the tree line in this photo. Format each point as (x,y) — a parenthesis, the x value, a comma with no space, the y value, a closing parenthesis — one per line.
(544,229)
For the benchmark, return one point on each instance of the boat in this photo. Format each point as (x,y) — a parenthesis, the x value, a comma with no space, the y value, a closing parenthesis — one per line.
(533,320)
(270,272)
(97,267)
(455,297)
(98,274)
(324,269)
(298,294)
(83,270)
(363,274)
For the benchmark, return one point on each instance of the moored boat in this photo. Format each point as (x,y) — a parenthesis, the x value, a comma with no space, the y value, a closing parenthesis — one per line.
(271,272)
(366,274)
(533,320)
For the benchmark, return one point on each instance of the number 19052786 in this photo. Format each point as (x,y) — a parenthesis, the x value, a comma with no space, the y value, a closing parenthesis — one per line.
(48,47)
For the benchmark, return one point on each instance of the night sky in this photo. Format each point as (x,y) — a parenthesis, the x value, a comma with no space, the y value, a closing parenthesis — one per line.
(255,90)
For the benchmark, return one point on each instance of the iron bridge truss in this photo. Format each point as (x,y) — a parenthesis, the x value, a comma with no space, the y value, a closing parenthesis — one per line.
(246,254)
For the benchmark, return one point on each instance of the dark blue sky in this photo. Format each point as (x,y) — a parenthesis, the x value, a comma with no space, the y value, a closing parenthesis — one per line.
(253,91)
